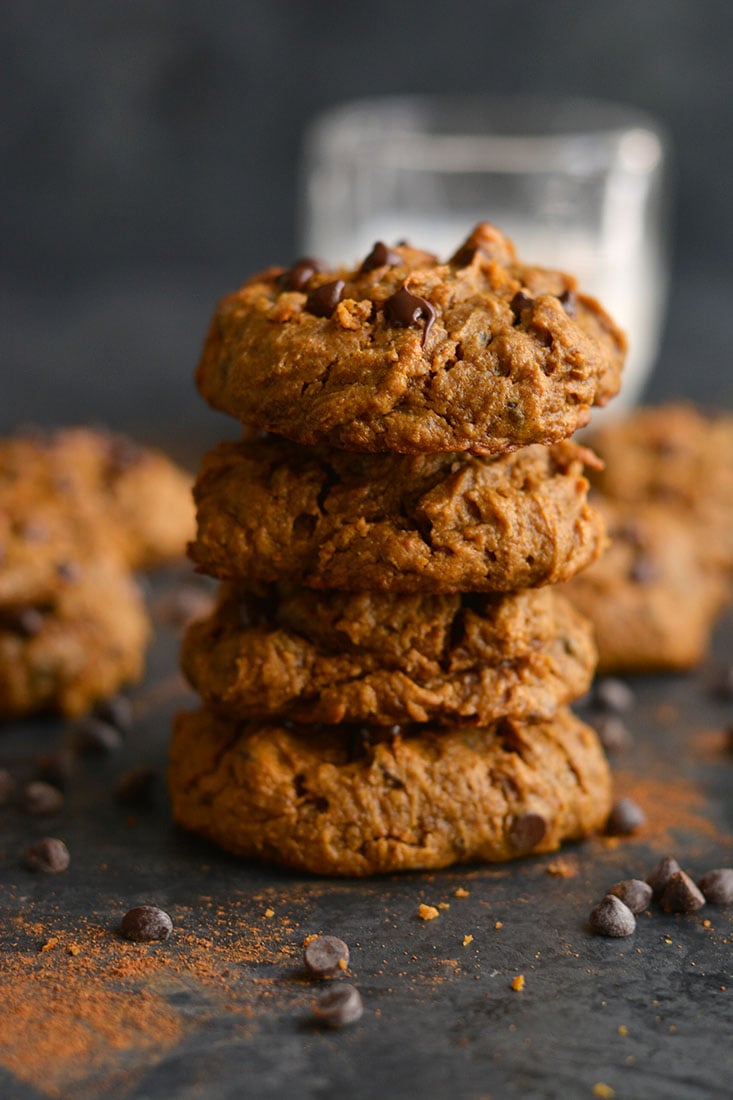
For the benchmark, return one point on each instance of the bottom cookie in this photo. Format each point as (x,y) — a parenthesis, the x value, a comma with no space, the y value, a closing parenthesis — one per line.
(330,800)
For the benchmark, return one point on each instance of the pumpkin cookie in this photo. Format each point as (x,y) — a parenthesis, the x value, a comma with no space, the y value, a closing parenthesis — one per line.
(340,802)
(483,353)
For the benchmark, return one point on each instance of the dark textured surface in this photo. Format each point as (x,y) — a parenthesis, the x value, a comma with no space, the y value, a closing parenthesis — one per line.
(440,1018)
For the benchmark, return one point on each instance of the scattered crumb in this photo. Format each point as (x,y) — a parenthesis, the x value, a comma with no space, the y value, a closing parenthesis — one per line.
(467,939)
(269,913)
(443,905)
(460,892)
(74,949)
(562,868)
(623,1030)
(427,912)
(50,944)
(706,923)
(518,983)
(498,924)
(342,964)
(605,1092)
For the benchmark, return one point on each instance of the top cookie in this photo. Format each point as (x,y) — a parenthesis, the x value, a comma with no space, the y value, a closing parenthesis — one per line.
(483,353)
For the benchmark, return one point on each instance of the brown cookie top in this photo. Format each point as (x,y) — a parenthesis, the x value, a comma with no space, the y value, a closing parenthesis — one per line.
(338,801)
(380,658)
(271,510)
(483,353)
(71,495)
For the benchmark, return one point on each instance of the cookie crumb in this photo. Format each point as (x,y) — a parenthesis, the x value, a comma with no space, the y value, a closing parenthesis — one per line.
(561,868)
(443,905)
(467,939)
(427,912)
(73,949)
(498,924)
(460,892)
(604,1092)
(517,983)
(50,943)
(623,1030)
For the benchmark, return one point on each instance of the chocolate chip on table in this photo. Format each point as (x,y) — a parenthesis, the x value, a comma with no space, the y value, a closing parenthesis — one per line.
(660,875)
(681,895)
(634,893)
(526,831)
(611,917)
(7,787)
(404,309)
(42,798)
(569,302)
(325,956)
(612,733)
(95,737)
(136,786)
(625,818)
(519,303)
(380,256)
(49,855)
(323,300)
(116,711)
(717,886)
(146,923)
(339,1006)
(299,274)
(613,695)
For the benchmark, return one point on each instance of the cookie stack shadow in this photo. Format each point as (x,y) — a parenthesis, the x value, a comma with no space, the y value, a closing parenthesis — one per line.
(386,678)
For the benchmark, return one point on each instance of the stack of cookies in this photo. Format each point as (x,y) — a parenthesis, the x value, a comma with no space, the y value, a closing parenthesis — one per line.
(386,677)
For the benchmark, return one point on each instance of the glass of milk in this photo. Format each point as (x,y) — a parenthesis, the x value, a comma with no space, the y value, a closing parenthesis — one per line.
(576,184)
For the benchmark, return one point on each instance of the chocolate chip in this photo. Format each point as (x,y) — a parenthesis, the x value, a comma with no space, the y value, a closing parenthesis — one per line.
(115,711)
(48,855)
(717,886)
(611,917)
(136,787)
(323,300)
(519,303)
(7,787)
(68,570)
(465,256)
(380,256)
(644,569)
(404,309)
(42,798)
(146,923)
(299,274)
(634,893)
(660,875)
(527,831)
(93,737)
(625,818)
(612,694)
(569,302)
(325,956)
(339,1006)
(612,733)
(681,895)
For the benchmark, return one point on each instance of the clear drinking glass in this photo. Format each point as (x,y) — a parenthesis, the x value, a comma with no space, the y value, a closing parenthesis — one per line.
(577,184)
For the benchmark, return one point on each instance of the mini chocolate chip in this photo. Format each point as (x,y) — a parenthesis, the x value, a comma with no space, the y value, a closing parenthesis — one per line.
(526,831)
(717,886)
(519,303)
(323,300)
(612,694)
(116,711)
(325,956)
(404,309)
(380,256)
(339,1006)
(612,733)
(42,798)
(48,855)
(611,917)
(633,893)
(56,768)
(660,875)
(569,302)
(146,923)
(681,895)
(625,818)
(296,277)
(136,787)
(93,737)
(7,787)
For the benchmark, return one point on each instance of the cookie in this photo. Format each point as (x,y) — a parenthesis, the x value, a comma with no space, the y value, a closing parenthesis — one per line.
(76,647)
(271,510)
(483,353)
(332,657)
(679,458)
(652,598)
(321,800)
(70,496)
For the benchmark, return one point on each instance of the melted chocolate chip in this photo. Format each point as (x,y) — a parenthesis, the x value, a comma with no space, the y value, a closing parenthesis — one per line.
(465,256)
(299,274)
(569,302)
(323,300)
(519,303)
(527,831)
(380,256)
(404,309)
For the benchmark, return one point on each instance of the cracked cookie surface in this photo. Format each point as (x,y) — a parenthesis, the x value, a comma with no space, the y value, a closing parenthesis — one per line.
(335,802)
(483,353)
(271,510)
(333,657)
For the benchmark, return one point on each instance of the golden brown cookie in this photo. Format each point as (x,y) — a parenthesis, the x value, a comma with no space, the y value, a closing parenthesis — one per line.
(483,353)
(271,510)
(69,496)
(379,658)
(652,598)
(73,648)
(320,800)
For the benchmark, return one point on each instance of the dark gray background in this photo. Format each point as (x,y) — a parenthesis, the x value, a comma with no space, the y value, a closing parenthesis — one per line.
(149,155)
